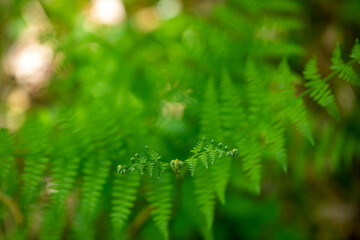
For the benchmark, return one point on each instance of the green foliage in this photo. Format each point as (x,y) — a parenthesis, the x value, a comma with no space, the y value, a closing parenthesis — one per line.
(346,71)
(320,90)
(228,72)
(6,156)
(36,158)
(291,105)
(124,195)
(159,195)
(205,198)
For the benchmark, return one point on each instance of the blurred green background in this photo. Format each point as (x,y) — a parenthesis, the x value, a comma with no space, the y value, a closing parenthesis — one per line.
(124,74)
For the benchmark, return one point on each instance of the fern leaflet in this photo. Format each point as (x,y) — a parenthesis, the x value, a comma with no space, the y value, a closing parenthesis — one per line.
(159,196)
(124,196)
(319,89)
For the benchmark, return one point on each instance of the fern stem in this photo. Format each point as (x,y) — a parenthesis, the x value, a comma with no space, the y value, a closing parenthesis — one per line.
(11,204)
(139,221)
(327,78)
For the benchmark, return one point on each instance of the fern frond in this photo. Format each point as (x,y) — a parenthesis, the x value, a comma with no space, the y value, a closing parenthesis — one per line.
(53,222)
(292,105)
(255,90)
(249,149)
(210,117)
(220,174)
(346,71)
(204,160)
(36,153)
(250,152)
(319,89)
(64,169)
(124,192)
(205,198)
(159,196)
(231,112)
(192,163)
(96,171)
(208,156)
(199,146)
(145,165)
(275,140)
(355,52)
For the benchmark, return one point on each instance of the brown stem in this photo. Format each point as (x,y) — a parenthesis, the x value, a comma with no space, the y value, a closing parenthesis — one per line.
(139,220)
(11,204)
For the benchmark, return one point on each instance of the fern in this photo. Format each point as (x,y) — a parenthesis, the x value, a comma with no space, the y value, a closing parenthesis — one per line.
(96,171)
(145,165)
(208,156)
(319,89)
(64,169)
(346,71)
(35,152)
(219,68)
(292,106)
(124,195)
(159,196)
(250,150)
(220,174)
(275,140)
(231,113)
(355,52)
(210,121)
(205,198)
(251,158)
(232,125)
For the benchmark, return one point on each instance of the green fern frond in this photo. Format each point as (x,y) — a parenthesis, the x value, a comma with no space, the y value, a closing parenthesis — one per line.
(204,160)
(232,122)
(220,174)
(319,89)
(250,152)
(292,105)
(199,146)
(96,171)
(53,222)
(210,117)
(208,156)
(145,165)
(205,198)
(355,52)
(346,71)
(159,196)
(64,169)
(231,112)
(124,193)
(192,163)
(95,174)
(36,152)
(255,90)
(249,149)
(275,141)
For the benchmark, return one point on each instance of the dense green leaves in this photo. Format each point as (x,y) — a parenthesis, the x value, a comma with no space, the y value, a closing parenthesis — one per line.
(215,71)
